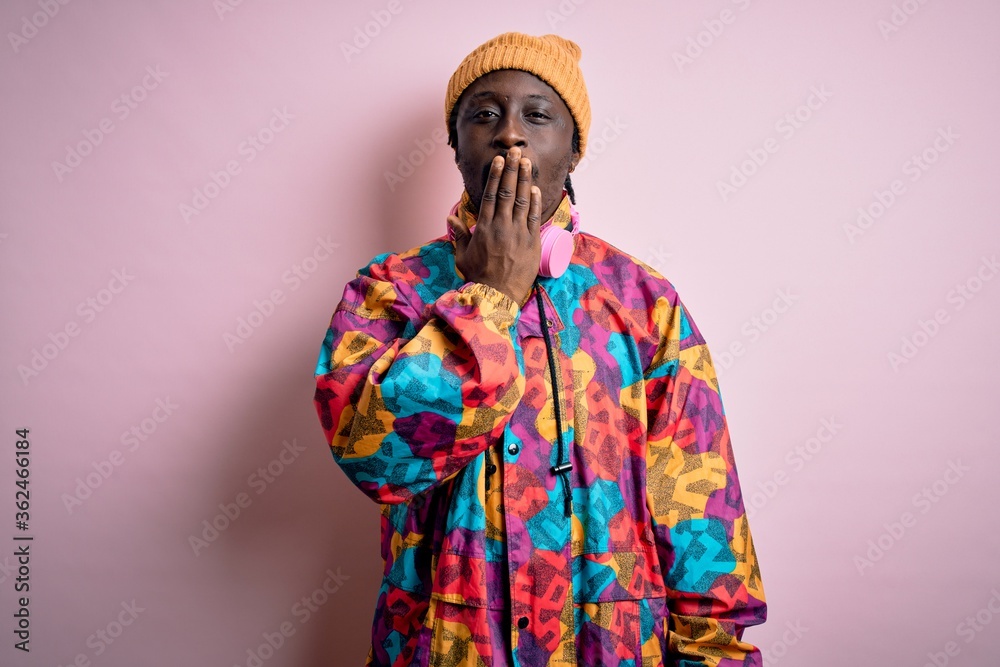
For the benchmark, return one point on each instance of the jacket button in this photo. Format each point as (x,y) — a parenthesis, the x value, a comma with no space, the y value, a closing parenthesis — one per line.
(522,622)
(512,449)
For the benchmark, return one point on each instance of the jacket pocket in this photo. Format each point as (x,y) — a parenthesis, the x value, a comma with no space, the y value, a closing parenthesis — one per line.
(617,633)
(620,604)
(410,570)
(472,581)
(412,533)
(619,575)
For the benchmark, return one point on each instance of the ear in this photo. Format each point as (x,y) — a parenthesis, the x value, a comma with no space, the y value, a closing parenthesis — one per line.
(576,161)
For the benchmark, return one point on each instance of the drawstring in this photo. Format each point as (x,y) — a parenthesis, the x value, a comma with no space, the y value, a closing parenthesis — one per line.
(564,465)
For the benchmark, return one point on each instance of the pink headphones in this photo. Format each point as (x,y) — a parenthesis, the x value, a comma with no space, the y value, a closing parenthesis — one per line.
(557,243)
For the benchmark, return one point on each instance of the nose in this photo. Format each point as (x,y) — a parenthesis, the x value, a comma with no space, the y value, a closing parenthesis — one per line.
(509,133)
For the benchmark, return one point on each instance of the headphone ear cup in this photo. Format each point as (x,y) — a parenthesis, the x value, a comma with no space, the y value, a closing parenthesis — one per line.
(557,251)
(557,244)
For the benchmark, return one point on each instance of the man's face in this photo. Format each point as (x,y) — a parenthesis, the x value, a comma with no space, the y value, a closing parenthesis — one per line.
(507,108)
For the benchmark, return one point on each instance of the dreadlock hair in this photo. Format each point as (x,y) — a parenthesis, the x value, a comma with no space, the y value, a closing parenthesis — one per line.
(453,142)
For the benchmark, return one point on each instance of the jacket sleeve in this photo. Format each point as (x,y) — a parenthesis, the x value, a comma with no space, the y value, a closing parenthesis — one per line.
(409,394)
(700,525)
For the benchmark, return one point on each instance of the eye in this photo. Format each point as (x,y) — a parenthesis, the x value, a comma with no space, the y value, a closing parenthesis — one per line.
(479,114)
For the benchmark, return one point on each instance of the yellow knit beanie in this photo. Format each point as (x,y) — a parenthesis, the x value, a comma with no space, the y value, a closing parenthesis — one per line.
(551,58)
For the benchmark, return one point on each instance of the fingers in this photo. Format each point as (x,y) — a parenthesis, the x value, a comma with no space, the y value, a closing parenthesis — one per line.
(488,205)
(522,197)
(508,185)
(535,210)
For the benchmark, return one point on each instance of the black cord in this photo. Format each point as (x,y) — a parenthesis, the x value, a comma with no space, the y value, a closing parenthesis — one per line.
(564,465)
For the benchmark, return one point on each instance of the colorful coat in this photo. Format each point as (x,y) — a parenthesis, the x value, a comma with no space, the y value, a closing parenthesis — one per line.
(435,397)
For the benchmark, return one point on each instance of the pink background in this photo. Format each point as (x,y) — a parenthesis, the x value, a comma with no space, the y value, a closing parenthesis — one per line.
(858,567)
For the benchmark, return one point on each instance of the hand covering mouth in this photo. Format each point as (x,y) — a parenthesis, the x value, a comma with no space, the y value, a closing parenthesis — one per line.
(486,170)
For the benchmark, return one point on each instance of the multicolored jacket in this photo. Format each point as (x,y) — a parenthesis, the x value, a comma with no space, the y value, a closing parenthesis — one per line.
(435,396)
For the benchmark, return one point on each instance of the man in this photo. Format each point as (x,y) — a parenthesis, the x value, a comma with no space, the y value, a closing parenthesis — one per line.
(547,442)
